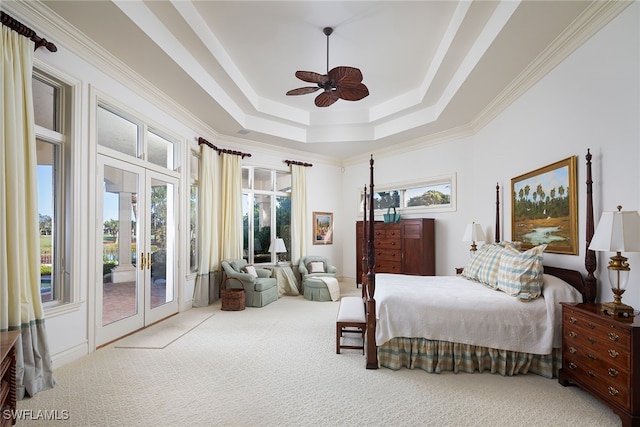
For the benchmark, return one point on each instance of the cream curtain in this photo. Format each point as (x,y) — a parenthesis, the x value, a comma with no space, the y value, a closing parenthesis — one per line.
(208,228)
(231,209)
(20,304)
(299,215)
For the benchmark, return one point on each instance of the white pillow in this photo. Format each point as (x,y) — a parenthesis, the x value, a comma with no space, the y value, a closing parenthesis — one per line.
(316,267)
(250,269)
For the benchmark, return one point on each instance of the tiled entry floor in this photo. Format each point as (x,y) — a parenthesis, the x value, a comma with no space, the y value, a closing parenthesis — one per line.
(119,300)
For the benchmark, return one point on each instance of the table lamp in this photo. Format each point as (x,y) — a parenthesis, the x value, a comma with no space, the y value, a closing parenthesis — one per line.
(617,232)
(279,247)
(473,233)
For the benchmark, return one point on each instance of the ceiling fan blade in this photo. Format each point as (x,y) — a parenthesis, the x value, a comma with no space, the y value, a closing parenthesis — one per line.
(353,93)
(303,90)
(346,76)
(326,98)
(311,77)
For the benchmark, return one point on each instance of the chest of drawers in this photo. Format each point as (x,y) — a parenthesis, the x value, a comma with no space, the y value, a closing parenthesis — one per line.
(406,247)
(600,354)
(8,377)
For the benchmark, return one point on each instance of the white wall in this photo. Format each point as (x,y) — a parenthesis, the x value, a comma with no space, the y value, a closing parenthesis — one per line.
(591,100)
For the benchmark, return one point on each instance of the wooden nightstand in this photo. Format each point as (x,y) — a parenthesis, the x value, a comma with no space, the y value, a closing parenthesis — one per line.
(601,354)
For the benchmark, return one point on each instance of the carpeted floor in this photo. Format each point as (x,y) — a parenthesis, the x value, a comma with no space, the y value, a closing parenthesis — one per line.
(276,366)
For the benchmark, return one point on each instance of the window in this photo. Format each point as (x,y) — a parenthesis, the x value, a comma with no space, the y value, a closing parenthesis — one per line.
(433,195)
(123,134)
(194,191)
(50,107)
(267,195)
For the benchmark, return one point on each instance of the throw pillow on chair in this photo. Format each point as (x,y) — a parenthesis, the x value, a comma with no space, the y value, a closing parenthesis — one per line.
(316,267)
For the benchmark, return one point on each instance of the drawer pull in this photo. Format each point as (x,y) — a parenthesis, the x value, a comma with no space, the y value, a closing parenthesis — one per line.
(572,334)
(591,374)
(612,391)
(613,353)
(572,320)
(572,365)
(613,336)
(572,350)
(613,372)
(591,325)
(592,357)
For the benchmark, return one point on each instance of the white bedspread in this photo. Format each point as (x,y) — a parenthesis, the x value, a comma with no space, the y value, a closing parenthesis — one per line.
(452,308)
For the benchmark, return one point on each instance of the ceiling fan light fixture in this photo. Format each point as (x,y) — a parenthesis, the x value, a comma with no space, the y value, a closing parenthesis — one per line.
(339,83)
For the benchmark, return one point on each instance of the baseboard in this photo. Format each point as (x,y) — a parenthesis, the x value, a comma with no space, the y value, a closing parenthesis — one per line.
(69,355)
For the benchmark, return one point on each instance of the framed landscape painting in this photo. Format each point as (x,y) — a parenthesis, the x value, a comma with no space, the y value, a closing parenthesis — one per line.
(544,208)
(322,228)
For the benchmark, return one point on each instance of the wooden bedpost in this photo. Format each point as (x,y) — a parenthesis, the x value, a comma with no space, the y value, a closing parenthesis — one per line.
(498,213)
(590,262)
(363,277)
(372,350)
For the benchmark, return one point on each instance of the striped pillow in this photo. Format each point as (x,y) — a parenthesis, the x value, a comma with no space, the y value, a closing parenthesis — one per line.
(484,265)
(520,273)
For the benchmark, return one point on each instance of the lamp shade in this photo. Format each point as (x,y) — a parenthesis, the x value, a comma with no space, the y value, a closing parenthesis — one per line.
(473,233)
(617,231)
(278,246)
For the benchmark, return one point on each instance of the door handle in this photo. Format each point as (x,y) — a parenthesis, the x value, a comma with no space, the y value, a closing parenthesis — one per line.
(149,260)
(142,261)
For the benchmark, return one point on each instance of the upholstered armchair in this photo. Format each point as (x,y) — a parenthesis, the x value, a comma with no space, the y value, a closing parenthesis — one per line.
(260,288)
(312,268)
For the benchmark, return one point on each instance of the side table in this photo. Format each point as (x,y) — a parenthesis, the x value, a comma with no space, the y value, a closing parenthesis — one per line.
(287,283)
(600,354)
(8,377)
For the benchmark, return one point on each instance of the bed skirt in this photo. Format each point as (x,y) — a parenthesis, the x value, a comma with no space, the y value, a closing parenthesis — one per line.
(439,356)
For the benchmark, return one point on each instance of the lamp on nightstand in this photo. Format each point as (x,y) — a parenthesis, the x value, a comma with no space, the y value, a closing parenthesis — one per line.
(473,233)
(617,232)
(279,247)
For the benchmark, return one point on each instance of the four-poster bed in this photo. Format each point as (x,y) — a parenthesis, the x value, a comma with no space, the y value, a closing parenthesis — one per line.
(449,322)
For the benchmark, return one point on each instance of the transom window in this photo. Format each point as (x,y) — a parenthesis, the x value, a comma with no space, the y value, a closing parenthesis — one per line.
(128,135)
(433,195)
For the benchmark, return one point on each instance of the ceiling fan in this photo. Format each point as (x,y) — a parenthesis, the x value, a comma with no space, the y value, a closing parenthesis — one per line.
(339,82)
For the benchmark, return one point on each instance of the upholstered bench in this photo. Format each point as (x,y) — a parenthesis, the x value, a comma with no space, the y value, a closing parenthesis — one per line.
(351,318)
(316,290)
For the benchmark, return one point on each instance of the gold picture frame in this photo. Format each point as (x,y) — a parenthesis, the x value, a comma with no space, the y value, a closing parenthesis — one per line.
(544,205)
(322,228)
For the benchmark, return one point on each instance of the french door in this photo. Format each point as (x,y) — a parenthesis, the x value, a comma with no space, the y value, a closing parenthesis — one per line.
(136,284)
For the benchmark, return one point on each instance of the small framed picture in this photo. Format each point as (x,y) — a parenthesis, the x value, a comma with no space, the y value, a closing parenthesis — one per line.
(322,228)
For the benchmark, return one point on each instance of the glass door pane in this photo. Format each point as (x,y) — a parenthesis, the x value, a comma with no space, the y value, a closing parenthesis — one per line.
(120,286)
(161,248)
(161,251)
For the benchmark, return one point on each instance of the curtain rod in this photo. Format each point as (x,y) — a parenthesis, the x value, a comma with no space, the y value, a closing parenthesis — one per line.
(293,162)
(202,141)
(23,30)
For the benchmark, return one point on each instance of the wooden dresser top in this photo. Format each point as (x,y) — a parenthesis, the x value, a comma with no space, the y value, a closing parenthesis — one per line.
(7,340)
